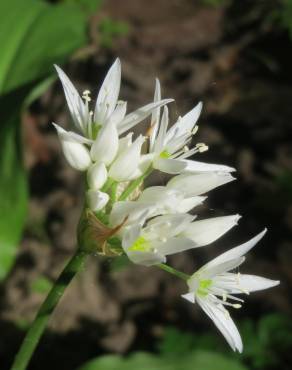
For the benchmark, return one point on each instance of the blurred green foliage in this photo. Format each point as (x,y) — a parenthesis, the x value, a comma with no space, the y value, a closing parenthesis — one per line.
(110,29)
(34,35)
(284,183)
(200,359)
(41,285)
(265,342)
(285,15)
(216,2)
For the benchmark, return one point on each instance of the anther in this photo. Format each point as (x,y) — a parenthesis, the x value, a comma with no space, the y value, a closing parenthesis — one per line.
(195,130)
(201,147)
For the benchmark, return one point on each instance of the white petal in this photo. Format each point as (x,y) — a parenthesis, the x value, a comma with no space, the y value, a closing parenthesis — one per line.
(204,232)
(168,165)
(224,323)
(222,268)
(77,108)
(189,203)
(166,226)
(139,115)
(159,142)
(119,113)
(127,161)
(125,142)
(96,176)
(244,283)
(197,184)
(130,235)
(71,136)
(156,193)
(96,199)
(144,164)
(155,118)
(174,245)
(236,252)
(76,154)
(132,210)
(105,147)
(146,258)
(189,297)
(108,93)
(185,124)
(195,166)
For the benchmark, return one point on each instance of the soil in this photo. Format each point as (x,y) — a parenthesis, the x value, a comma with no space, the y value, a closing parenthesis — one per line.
(222,56)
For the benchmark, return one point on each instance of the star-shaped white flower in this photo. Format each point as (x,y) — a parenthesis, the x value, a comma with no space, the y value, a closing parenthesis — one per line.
(169,234)
(215,288)
(169,146)
(97,137)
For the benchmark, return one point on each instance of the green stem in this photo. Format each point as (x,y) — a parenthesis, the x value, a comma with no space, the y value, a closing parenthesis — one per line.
(107,185)
(134,184)
(38,326)
(173,271)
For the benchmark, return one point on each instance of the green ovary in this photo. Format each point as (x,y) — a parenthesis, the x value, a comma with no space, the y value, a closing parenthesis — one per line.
(164,154)
(141,245)
(203,287)
(95,130)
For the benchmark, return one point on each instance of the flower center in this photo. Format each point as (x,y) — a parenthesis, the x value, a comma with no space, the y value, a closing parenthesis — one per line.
(203,287)
(164,154)
(141,245)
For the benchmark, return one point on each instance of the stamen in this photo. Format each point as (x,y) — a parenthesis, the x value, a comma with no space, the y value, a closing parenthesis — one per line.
(201,147)
(86,96)
(195,130)
(186,149)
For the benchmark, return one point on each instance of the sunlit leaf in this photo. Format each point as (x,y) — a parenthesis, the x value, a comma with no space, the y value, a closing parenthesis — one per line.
(33,36)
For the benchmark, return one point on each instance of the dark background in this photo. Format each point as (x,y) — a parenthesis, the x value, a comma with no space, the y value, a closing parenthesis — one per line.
(236,57)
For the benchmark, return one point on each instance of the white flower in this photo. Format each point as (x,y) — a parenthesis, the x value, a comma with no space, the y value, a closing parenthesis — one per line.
(105,147)
(127,162)
(74,151)
(214,288)
(197,184)
(96,199)
(170,147)
(107,107)
(150,245)
(96,176)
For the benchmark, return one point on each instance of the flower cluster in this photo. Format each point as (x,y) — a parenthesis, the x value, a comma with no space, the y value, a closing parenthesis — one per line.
(150,224)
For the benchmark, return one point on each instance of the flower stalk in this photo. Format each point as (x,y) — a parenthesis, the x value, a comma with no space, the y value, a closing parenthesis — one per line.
(173,271)
(39,324)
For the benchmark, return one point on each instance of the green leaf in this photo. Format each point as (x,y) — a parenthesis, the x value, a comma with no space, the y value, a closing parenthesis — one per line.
(13,183)
(201,360)
(38,90)
(33,36)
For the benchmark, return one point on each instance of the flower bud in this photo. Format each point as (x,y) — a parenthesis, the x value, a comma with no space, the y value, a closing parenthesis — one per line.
(127,161)
(96,176)
(96,199)
(105,147)
(75,152)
